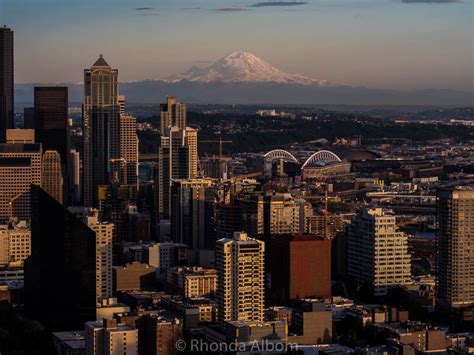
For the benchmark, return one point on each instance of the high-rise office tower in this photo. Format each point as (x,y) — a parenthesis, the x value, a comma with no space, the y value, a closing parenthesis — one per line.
(51,123)
(178,159)
(60,275)
(192,217)
(110,152)
(101,129)
(6,81)
(20,167)
(455,252)
(240,278)
(377,252)
(172,114)
(129,151)
(52,178)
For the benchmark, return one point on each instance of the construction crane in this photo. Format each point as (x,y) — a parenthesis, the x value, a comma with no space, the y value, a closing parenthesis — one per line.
(220,141)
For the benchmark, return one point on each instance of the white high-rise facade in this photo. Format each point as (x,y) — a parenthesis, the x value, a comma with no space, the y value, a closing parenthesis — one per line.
(377,252)
(240,278)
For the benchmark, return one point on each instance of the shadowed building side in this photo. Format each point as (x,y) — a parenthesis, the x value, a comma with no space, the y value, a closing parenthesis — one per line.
(60,285)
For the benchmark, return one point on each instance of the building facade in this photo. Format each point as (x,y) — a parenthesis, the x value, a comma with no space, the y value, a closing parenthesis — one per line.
(377,252)
(51,123)
(20,167)
(6,81)
(300,267)
(52,177)
(240,278)
(455,258)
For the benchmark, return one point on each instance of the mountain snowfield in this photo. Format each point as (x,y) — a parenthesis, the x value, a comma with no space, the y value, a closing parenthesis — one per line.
(242,67)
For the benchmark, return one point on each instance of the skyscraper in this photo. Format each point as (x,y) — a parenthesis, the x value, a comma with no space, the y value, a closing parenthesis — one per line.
(20,167)
(129,151)
(377,253)
(60,275)
(178,159)
(192,217)
(110,150)
(103,253)
(455,247)
(6,81)
(172,114)
(51,121)
(52,179)
(240,278)
(101,130)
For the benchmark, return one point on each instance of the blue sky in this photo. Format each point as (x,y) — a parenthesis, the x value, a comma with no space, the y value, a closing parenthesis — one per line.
(399,44)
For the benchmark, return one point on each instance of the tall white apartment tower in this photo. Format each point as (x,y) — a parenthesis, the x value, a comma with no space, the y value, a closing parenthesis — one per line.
(377,251)
(240,278)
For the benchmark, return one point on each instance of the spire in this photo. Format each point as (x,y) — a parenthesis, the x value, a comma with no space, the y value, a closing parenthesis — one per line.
(101,62)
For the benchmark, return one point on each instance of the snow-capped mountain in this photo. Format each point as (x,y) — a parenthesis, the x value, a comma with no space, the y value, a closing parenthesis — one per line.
(242,67)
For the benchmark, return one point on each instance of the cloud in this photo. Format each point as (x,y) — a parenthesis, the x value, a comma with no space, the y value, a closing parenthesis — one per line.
(190,8)
(144,8)
(150,14)
(278,3)
(231,9)
(431,1)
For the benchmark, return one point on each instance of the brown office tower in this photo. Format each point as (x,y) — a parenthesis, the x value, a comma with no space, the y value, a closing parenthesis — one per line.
(6,82)
(300,267)
(455,239)
(51,177)
(51,121)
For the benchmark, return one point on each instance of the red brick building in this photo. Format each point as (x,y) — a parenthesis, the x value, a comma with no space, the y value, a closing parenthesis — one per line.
(300,267)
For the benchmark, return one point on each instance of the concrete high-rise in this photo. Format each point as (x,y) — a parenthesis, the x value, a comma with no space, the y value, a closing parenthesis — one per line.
(172,114)
(20,167)
(6,82)
(240,278)
(129,152)
(377,252)
(455,237)
(103,249)
(52,178)
(103,253)
(51,123)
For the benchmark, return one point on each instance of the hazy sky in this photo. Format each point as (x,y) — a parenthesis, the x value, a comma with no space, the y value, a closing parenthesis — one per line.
(399,44)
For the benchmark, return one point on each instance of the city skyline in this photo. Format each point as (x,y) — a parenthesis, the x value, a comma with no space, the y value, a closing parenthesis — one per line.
(386,44)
